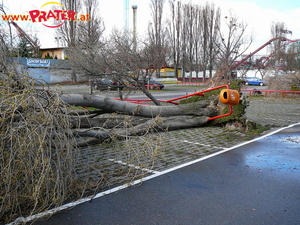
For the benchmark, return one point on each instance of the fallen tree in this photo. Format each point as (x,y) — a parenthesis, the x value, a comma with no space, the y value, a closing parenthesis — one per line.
(158,118)
(142,118)
(200,108)
(41,132)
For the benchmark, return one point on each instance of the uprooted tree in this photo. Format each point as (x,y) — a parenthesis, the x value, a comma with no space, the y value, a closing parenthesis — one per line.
(42,131)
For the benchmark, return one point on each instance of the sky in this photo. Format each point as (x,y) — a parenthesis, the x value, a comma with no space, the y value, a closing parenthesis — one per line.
(259,14)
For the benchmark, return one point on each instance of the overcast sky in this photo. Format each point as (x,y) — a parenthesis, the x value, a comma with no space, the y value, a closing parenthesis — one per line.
(259,14)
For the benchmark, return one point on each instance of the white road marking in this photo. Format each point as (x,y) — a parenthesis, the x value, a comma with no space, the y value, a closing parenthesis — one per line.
(134,166)
(101,194)
(197,143)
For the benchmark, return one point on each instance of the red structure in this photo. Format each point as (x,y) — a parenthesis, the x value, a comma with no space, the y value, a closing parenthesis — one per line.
(288,41)
(24,34)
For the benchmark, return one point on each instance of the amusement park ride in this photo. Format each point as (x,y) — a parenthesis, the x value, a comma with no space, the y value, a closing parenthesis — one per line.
(262,64)
(22,33)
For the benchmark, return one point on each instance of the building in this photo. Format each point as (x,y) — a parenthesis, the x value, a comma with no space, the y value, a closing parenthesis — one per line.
(53,53)
(169,72)
(49,71)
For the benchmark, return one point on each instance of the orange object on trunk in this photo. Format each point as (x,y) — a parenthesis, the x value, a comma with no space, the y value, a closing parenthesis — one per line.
(230,97)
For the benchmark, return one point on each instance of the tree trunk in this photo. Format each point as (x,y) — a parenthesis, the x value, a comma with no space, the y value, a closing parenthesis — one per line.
(156,124)
(200,108)
(144,118)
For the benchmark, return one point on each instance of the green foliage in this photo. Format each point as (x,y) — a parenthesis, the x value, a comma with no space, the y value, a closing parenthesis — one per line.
(47,56)
(254,129)
(238,110)
(25,50)
(236,85)
(295,88)
(197,98)
(194,98)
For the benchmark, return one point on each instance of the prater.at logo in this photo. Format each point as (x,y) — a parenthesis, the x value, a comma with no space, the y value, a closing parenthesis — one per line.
(52,18)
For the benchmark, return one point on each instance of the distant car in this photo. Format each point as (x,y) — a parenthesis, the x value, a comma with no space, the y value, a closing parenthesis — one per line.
(255,81)
(156,85)
(107,84)
(153,82)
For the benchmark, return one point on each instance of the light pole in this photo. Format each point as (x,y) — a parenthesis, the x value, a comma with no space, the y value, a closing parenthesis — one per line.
(57,41)
(134,8)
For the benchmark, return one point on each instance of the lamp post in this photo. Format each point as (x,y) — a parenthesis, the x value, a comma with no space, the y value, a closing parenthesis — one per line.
(57,41)
(134,8)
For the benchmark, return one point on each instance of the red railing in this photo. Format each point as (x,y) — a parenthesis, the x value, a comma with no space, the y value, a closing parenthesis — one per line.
(152,87)
(172,101)
(191,84)
(149,87)
(266,92)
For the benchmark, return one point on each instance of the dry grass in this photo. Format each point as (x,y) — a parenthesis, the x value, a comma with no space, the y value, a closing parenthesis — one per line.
(287,82)
(37,153)
(39,159)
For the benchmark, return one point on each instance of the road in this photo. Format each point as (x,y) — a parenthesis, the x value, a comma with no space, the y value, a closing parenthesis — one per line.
(175,91)
(251,87)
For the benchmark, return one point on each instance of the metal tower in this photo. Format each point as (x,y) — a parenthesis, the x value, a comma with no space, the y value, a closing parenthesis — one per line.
(126,18)
(134,8)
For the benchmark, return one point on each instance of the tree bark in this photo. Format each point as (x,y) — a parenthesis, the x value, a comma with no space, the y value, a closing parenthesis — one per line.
(156,124)
(144,118)
(200,108)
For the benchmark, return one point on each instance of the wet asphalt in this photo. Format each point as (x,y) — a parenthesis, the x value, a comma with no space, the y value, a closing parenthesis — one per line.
(254,183)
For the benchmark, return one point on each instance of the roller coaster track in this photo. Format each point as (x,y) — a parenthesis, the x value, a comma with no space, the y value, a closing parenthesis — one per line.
(235,66)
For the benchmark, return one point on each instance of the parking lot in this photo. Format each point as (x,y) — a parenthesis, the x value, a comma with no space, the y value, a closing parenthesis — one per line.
(113,164)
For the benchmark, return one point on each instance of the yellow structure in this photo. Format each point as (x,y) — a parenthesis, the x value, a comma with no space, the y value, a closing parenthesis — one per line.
(169,72)
(55,53)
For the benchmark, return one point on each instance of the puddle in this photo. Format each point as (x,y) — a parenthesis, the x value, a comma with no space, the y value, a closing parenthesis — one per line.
(293,139)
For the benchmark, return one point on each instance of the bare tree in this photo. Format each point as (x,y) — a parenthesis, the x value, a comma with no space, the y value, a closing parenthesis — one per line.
(69,30)
(174,33)
(155,27)
(292,57)
(8,69)
(233,43)
(213,15)
(91,31)
(90,37)
(184,59)
(190,38)
(132,66)
(156,34)
(193,29)
(9,34)
(3,52)
(278,46)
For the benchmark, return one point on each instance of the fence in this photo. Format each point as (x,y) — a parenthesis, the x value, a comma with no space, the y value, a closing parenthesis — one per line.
(191,84)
